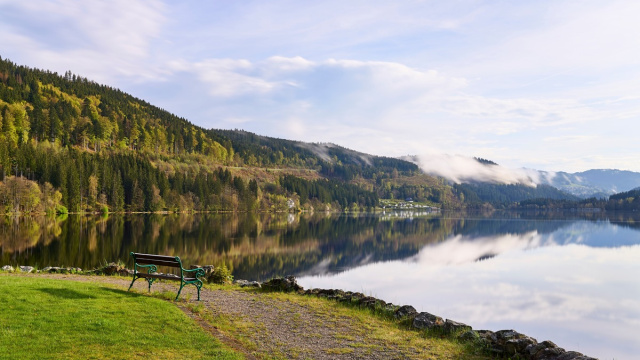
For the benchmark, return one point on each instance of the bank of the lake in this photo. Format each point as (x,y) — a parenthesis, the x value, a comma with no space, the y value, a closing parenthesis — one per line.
(569,278)
(342,324)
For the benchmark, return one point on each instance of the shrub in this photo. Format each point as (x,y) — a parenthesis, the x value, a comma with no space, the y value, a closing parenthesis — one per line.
(221,275)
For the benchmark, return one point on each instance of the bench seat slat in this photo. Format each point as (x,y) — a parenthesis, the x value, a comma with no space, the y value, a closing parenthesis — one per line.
(152,256)
(165,276)
(161,260)
(157,262)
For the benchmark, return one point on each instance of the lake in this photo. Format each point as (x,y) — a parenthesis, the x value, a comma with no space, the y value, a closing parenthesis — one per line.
(573,278)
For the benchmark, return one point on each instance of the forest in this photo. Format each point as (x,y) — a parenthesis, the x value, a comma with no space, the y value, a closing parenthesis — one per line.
(624,201)
(68,144)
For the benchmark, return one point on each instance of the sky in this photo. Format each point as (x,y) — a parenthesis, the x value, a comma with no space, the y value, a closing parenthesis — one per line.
(549,85)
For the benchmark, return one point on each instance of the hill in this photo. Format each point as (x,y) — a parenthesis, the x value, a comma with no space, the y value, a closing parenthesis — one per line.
(70,144)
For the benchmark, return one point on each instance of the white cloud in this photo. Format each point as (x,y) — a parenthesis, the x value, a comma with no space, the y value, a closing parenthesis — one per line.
(96,39)
(494,80)
(458,169)
(351,102)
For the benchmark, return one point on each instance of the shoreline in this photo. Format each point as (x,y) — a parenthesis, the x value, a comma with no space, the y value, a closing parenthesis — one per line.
(502,343)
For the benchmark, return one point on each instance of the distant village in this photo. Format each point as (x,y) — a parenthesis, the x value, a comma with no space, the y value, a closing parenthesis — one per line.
(407,204)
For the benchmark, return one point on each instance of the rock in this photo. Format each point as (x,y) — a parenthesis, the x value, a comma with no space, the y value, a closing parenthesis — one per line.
(507,342)
(246,283)
(574,355)
(255,284)
(27,269)
(451,326)
(287,283)
(534,349)
(518,346)
(312,291)
(469,336)
(424,320)
(405,311)
(368,301)
(125,272)
(8,268)
(391,308)
(549,354)
(111,269)
(356,297)
(208,270)
(52,269)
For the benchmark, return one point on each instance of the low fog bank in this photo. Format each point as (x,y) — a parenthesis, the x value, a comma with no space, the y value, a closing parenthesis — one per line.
(462,169)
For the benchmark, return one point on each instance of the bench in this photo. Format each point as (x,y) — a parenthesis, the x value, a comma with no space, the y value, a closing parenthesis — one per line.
(151,262)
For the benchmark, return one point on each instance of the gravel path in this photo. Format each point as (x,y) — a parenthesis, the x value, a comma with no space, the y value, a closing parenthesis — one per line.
(264,326)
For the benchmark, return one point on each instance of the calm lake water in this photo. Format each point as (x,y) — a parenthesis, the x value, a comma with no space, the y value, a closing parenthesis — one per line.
(570,278)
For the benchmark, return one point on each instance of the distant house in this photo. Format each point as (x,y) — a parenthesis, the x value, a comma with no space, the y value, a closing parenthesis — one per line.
(409,199)
(291,203)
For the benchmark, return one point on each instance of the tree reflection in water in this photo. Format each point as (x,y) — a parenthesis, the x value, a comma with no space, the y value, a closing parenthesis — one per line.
(255,246)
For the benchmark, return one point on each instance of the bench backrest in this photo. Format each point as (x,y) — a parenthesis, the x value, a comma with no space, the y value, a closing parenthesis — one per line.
(160,260)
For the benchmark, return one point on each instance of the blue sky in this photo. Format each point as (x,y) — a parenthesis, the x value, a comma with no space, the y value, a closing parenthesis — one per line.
(550,85)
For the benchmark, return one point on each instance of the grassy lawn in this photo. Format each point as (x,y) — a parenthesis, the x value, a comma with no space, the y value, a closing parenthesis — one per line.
(56,319)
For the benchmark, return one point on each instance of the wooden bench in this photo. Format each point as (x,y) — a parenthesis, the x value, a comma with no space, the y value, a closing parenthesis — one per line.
(151,262)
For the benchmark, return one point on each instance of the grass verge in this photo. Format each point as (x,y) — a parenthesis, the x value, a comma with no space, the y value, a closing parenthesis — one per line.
(55,319)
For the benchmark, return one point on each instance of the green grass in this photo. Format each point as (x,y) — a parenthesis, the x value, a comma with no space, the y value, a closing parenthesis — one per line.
(56,319)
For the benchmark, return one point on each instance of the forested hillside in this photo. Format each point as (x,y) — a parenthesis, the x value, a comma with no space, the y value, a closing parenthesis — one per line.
(624,201)
(70,144)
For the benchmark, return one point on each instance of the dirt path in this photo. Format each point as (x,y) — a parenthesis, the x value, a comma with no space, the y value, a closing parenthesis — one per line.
(262,326)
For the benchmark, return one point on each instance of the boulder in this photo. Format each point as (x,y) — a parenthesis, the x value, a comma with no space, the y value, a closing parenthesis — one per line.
(8,268)
(125,272)
(368,301)
(287,283)
(424,320)
(111,269)
(507,342)
(208,270)
(246,283)
(405,311)
(469,336)
(574,355)
(451,326)
(27,269)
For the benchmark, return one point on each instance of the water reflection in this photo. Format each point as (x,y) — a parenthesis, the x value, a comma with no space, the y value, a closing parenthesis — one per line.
(571,278)
(572,281)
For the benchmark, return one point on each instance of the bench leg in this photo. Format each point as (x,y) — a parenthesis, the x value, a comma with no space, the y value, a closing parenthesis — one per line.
(132,281)
(179,290)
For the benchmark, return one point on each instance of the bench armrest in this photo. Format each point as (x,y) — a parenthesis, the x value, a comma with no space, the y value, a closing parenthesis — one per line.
(198,271)
(150,268)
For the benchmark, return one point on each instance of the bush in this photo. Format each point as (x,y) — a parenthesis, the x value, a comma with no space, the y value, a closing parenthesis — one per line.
(221,275)
(61,209)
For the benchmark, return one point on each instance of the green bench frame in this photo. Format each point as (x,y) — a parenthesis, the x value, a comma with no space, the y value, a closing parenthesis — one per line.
(151,262)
